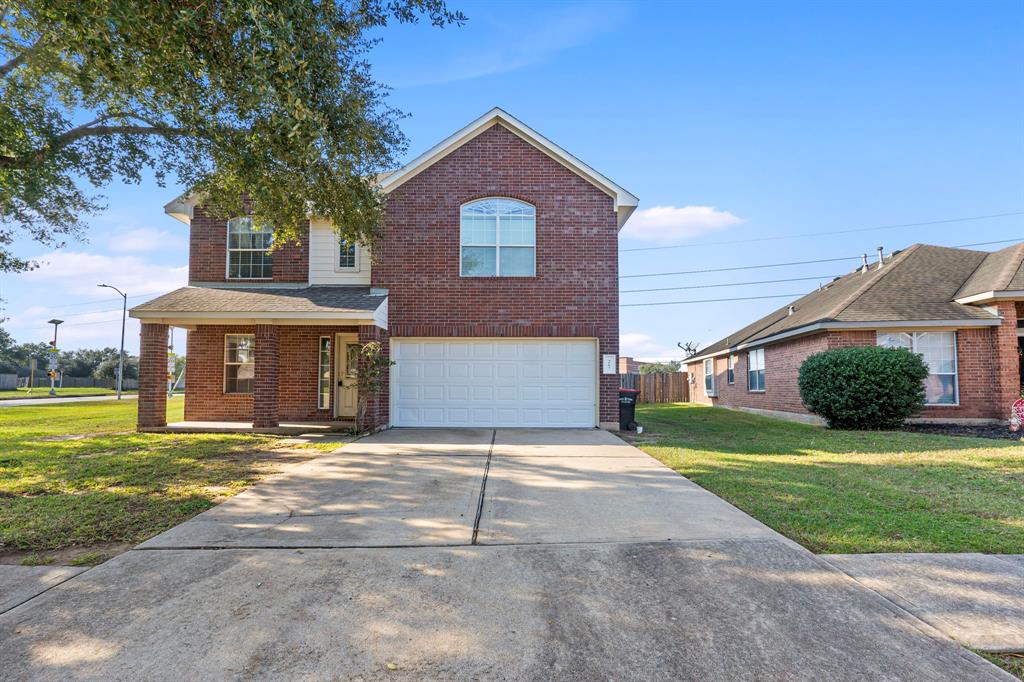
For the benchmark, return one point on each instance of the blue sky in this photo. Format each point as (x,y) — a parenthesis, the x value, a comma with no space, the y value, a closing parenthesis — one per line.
(732,122)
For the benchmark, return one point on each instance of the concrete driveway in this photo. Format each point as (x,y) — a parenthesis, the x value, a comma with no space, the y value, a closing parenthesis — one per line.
(474,554)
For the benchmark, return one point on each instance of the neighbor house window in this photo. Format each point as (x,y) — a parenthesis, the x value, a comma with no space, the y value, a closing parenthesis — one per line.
(347,257)
(247,249)
(755,370)
(731,377)
(324,375)
(709,377)
(239,363)
(498,238)
(938,350)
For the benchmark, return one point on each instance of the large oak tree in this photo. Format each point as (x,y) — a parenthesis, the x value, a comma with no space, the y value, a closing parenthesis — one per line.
(263,99)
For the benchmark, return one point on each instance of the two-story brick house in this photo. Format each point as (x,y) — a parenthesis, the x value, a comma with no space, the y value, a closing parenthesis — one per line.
(493,288)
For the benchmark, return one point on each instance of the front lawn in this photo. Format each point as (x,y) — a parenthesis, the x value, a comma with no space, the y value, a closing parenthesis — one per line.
(848,491)
(44,392)
(76,477)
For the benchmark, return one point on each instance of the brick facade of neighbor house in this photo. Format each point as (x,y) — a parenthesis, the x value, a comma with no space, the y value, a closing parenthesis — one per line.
(575,290)
(297,367)
(207,256)
(986,387)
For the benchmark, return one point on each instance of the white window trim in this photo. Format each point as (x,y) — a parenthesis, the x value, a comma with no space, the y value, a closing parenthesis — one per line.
(227,256)
(730,371)
(337,258)
(713,392)
(956,361)
(225,364)
(762,370)
(497,241)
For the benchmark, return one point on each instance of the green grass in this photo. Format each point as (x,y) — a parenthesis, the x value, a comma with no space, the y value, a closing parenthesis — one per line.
(1011,663)
(78,476)
(849,491)
(44,392)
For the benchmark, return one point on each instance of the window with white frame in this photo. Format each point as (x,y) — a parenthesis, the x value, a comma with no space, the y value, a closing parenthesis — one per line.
(755,370)
(731,376)
(498,238)
(239,362)
(324,375)
(248,243)
(709,377)
(938,350)
(348,257)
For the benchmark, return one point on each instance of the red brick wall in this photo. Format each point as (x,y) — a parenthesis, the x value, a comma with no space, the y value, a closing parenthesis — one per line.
(207,256)
(297,381)
(978,373)
(575,291)
(152,376)
(377,404)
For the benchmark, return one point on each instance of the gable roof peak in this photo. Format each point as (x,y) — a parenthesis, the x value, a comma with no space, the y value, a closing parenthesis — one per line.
(625,201)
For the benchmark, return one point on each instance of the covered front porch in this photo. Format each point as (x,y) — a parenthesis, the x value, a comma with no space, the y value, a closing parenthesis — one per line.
(272,370)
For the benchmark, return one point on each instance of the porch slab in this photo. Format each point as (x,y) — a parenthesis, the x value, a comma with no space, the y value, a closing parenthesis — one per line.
(285,428)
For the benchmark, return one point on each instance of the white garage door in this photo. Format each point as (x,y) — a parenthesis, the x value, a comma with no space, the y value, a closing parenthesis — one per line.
(494,382)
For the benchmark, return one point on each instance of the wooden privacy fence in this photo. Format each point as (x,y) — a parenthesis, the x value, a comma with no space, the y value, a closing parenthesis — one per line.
(658,388)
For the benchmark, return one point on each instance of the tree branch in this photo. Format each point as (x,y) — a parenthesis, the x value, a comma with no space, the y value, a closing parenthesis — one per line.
(21,57)
(83,131)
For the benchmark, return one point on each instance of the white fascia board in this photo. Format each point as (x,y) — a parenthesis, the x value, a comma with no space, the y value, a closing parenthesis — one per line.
(208,317)
(625,201)
(380,315)
(990,296)
(182,208)
(825,326)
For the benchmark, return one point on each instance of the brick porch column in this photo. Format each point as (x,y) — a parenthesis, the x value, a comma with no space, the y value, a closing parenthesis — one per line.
(265,411)
(152,376)
(1007,360)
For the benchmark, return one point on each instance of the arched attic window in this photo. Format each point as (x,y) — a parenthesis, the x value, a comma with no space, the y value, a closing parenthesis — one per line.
(498,238)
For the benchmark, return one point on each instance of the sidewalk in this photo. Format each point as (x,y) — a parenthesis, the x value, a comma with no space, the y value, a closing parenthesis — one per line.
(21,402)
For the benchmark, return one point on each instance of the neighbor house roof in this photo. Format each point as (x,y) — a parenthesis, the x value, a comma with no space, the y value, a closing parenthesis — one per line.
(249,302)
(1001,270)
(914,287)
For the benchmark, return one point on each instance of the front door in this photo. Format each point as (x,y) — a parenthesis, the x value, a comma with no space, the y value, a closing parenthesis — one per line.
(346,365)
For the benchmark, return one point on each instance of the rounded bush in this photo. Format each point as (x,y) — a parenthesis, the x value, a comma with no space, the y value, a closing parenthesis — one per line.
(866,387)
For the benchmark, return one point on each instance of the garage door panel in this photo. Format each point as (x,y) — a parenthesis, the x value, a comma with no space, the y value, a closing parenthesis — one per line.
(495,382)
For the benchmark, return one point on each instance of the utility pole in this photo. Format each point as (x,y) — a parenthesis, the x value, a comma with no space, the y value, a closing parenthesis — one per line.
(52,364)
(120,358)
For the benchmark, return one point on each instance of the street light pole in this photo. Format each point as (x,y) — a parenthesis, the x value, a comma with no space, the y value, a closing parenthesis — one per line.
(52,364)
(120,358)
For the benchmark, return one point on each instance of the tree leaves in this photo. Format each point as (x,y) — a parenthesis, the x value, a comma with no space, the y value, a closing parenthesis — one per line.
(263,107)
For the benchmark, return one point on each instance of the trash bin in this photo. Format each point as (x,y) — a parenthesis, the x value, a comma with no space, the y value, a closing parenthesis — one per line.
(627,408)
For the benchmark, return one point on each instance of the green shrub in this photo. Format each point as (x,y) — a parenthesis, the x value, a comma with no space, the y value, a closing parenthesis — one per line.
(865,387)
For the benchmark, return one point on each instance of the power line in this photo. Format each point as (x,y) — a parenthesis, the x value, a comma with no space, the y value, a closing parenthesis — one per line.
(101,300)
(729,284)
(829,232)
(712,300)
(742,267)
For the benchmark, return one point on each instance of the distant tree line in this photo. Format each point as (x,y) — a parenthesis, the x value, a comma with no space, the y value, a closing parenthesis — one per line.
(100,363)
(661,367)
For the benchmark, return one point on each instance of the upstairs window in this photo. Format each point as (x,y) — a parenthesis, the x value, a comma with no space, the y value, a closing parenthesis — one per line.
(755,371)
(938,350)
(247,249)
(348,259)
(498,238)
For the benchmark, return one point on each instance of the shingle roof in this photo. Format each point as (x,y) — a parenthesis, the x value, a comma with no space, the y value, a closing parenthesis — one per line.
(1001,270)
(264,300)
(917,284)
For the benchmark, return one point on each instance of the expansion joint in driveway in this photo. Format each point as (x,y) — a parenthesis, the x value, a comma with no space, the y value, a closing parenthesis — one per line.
(483,489)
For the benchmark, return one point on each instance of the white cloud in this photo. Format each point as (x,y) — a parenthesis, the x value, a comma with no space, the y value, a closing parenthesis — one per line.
(143,239)
(80,272)
(672,223)
(645,347)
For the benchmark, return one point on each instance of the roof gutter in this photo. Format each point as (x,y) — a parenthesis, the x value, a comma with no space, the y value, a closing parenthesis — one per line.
(826,326)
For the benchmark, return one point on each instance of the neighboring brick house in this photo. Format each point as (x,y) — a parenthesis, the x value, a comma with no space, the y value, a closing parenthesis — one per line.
(494,289)
(958,308)
(628,365)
